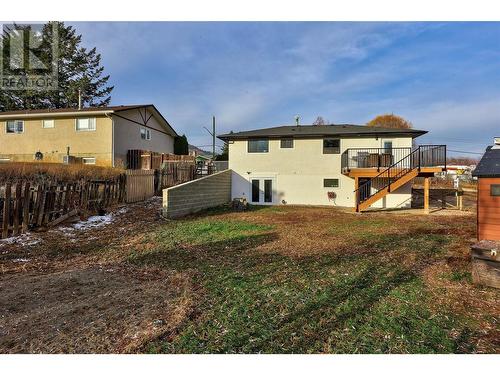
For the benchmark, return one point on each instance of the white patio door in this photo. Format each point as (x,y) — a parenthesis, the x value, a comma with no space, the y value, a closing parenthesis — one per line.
(261,190)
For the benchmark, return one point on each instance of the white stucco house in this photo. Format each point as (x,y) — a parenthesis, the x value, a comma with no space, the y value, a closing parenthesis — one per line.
(336,165)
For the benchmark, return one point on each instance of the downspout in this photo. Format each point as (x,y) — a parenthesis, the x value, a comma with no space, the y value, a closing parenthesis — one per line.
(112,139)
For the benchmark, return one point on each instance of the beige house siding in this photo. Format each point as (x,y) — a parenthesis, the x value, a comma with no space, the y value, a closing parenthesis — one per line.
(53,142)
(127,136)
(298,173)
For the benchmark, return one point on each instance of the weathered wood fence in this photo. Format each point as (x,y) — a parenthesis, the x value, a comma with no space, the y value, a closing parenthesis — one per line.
(140,185)
(23,206)
(174,173)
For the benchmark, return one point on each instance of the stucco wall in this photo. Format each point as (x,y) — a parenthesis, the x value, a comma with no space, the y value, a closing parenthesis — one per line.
(128,136)
(52,142)
(298,173)
(196,195)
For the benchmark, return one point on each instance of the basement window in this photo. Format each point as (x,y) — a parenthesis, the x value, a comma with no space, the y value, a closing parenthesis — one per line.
(14,126)
(331,182)
(258,145)
(331,146)
(89,161)
(495,190)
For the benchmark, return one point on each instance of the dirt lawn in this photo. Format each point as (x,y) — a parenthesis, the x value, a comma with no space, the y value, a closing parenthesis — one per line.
(274,280)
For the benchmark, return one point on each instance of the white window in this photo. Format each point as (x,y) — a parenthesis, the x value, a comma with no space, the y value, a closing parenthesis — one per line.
(14,126)
(85,124)
(47,124)
(145,134)
(88,160)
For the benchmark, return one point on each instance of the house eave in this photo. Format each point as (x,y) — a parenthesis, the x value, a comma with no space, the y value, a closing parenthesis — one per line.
(415,134)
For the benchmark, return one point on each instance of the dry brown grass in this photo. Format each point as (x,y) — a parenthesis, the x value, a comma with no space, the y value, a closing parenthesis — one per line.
(54,172)
(143,280)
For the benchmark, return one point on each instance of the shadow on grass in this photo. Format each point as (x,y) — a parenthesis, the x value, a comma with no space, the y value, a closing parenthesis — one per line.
(270,302)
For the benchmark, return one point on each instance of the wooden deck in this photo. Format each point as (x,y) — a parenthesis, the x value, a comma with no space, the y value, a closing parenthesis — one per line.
(373,172)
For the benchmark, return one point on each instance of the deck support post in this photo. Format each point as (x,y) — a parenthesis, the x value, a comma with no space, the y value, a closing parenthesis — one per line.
(426,195)
(356,193)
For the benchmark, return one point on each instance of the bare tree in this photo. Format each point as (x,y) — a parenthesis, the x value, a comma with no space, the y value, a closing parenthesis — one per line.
(319,121)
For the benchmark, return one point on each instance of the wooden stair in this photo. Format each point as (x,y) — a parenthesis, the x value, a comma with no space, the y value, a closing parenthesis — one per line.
(405,178)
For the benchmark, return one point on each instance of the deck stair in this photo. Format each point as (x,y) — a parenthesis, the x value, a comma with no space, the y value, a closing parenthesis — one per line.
(398,174)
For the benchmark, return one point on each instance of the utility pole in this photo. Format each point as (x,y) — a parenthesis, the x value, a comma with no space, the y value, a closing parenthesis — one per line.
(213,138)
(212,133)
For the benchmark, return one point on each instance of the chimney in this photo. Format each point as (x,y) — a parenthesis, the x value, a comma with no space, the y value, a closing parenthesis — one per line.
(497,141)
(79,99)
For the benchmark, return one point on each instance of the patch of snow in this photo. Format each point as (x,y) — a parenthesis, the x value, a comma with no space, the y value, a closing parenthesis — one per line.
(121,211)
(20,260)
(94,222)
(26,239)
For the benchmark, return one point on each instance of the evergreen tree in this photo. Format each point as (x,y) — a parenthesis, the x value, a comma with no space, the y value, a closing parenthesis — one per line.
(224,155)
(78,69)
(181,145)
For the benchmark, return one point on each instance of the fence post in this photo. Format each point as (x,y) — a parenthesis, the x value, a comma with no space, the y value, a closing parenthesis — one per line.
(26,207)
(6,212)
(17,207)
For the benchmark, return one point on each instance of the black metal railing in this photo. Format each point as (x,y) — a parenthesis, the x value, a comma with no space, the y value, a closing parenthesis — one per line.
(423,156)
(372,157)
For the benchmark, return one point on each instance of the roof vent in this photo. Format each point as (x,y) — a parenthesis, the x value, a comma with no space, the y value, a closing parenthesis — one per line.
(297,120)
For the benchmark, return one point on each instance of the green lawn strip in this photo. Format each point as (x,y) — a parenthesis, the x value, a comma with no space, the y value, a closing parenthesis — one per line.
(402,322)
(366,301)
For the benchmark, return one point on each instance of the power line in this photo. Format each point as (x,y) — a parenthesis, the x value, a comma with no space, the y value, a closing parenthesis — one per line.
(466,152)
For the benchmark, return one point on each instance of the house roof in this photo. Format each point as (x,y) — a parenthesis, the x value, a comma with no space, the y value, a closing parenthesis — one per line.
(58,112)
(30,112)
(489,165)
(314,131)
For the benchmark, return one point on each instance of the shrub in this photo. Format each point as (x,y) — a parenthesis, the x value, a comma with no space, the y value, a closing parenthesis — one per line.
(54,172)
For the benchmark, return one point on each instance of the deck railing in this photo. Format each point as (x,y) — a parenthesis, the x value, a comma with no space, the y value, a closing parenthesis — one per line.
(423,156)
(372,157)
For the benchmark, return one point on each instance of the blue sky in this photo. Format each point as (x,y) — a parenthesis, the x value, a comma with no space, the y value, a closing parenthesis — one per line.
(443,77)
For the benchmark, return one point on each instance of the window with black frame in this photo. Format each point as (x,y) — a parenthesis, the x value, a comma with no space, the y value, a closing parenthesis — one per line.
(286,143)
(331,182)
(258,145)
(331,146)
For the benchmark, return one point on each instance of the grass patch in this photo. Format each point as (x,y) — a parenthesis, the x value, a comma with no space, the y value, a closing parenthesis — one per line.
(360,301)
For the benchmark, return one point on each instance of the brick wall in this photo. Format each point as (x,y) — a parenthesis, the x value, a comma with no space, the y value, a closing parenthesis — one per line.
(196,195)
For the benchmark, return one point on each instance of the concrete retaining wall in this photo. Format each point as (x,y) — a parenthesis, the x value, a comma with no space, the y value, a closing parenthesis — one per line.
(196,195)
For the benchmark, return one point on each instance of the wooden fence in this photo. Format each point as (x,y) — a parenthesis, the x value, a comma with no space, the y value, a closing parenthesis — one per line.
(23,206)
(140,185)
(174,173)
(143,159)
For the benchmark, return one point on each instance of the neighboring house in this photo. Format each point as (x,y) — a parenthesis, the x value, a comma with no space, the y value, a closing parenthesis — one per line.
(98,135)
(338,165)
(488,193)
